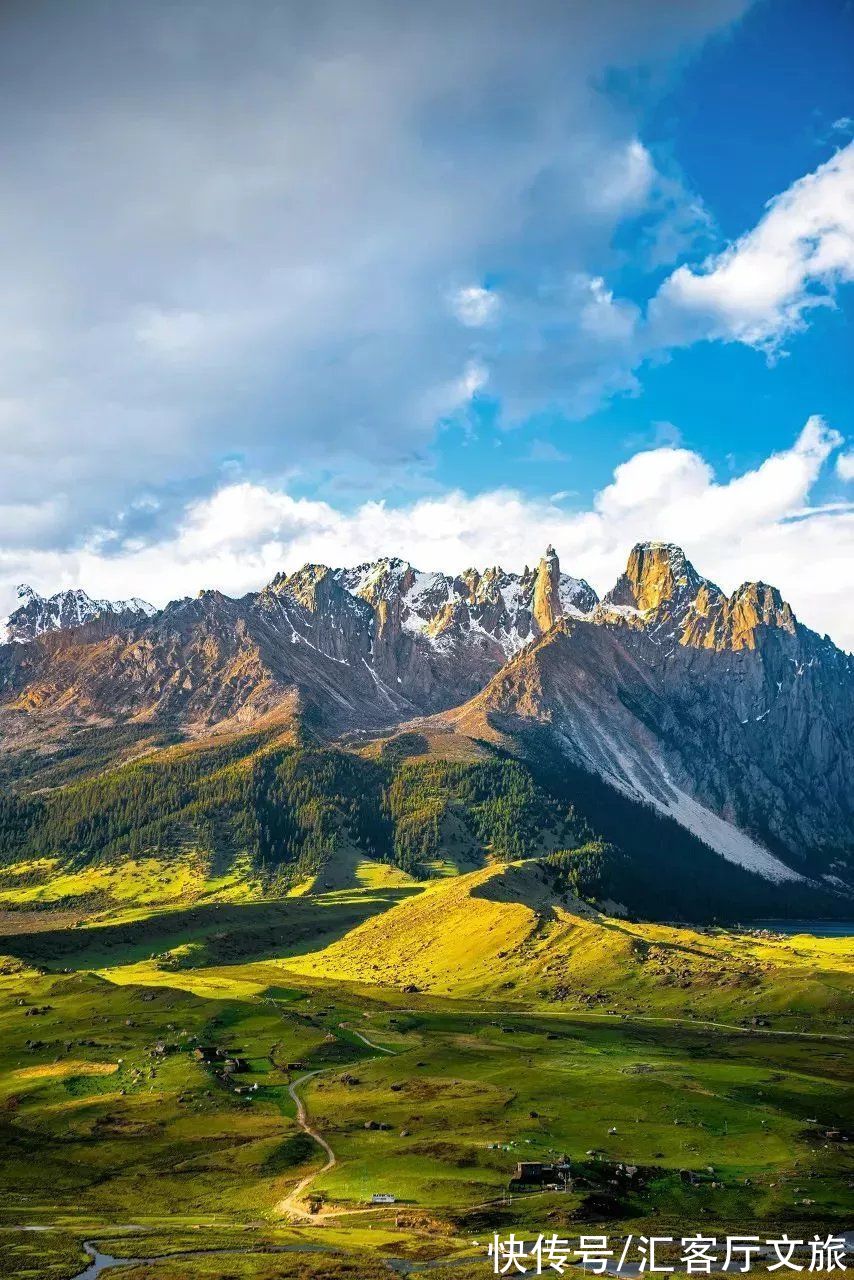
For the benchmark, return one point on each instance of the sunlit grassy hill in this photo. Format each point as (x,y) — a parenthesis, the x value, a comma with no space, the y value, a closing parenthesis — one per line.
(437,1032)
(510,933)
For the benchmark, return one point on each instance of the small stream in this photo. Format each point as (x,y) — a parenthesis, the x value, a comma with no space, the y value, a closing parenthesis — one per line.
(105,1261)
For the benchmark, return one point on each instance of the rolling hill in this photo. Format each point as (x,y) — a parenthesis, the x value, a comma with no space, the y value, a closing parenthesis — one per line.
(515,933)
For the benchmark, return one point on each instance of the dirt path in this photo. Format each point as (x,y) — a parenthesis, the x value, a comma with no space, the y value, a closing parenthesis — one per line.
(291,1204)
(617,1018)
(364,1039)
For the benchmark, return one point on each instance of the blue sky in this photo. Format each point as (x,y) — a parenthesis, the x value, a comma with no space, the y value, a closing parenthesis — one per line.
(444,281)
(750,113)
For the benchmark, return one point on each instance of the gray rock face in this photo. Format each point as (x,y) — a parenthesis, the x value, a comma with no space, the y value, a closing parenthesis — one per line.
(455,612)
(344,649)
(657,576)
(683,696)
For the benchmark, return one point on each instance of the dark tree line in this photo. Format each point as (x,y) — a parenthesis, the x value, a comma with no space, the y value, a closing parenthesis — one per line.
(288,808)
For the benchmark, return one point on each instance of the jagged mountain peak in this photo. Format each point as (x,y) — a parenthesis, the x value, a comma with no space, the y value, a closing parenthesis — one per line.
(658,574)
(381,579)
(734,622)
(767,601)
(662,593)
(723,712)
(492,604)
(72,607)
(307,575)
(752,755)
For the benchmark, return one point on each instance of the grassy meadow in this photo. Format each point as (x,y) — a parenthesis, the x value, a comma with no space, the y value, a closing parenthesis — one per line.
(436,1035)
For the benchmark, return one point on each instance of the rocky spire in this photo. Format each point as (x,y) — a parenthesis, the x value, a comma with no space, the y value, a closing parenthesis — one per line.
(753,606)
(547,606)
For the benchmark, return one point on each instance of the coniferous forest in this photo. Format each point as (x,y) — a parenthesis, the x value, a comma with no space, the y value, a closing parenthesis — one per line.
(288,809)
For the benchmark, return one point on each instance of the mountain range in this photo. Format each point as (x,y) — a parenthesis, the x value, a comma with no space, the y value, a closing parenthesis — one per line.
(668,703)
(37,614)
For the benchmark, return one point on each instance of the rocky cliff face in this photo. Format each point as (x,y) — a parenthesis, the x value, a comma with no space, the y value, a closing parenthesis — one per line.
(722,711)
(662,592)
(343,649)
(657,576)
(507,610)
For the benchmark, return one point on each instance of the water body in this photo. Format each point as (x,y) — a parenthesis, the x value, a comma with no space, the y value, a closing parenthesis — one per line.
(102,1262)
(817,928)
(397,1266)
(105,1261)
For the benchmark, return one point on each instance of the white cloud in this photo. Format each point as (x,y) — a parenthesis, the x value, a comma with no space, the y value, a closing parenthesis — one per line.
(446,401)
(220,237)
(676,487)
(545,451)
(475,306)
(474,379)
(760,289)
(845,466)
(575,344)
(623,179)
(605,317)
(759,524)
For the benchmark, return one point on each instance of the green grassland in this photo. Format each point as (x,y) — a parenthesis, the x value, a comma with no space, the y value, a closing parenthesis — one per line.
(446,1029)
(428,952)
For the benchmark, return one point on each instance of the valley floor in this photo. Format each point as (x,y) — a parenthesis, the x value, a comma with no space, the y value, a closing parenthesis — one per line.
(221,1090)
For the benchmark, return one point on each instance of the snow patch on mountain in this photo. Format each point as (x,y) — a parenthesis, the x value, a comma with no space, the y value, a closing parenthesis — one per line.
(38,614)
(451,611)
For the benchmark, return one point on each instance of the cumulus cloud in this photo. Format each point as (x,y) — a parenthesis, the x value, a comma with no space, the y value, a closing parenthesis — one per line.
(605,317)
(759,524)
(624,179)
(260,249)
(224,239)
(760,289)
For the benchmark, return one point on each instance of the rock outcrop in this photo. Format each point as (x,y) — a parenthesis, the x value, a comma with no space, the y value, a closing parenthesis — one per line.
(723,711)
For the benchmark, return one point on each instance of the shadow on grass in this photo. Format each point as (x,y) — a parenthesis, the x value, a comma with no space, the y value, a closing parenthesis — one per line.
(222,933)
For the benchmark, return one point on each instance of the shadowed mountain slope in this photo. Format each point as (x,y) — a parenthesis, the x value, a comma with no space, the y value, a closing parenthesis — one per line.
(722,713)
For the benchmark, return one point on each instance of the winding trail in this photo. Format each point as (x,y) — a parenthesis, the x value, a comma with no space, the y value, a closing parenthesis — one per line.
(293,1203)
(364,1039)
(617,1018)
